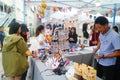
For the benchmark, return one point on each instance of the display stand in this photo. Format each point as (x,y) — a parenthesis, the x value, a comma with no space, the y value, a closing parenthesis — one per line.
(59,40)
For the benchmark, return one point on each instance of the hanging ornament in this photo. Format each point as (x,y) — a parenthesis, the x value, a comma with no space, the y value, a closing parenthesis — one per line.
(87,14)
(110,12)
(41,10)
(43,4)
(41,15)
(56,9)
(53,9)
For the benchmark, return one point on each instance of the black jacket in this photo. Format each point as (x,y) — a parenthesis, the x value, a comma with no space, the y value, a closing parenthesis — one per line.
(74,36)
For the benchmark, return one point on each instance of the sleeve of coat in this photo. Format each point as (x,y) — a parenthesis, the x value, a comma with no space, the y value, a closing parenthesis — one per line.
(22,46)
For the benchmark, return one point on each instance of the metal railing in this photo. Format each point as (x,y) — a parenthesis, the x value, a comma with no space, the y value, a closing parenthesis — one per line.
(10,19)
(4,19)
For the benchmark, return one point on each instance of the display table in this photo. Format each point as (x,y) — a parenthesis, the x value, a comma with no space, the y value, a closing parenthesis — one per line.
(39,71)
(81,56)
(42,72)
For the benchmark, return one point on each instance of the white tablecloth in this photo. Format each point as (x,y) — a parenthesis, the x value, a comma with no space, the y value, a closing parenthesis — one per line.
(84,56)
(39,71)
(42,72)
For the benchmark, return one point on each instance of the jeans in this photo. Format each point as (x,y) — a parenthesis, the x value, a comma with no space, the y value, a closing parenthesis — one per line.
(72,45)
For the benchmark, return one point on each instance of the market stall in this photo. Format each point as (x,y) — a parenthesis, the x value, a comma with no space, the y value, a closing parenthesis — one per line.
(47,61)
(42,72)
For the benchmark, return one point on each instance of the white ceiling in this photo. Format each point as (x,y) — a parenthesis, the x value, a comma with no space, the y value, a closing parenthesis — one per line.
(87,5)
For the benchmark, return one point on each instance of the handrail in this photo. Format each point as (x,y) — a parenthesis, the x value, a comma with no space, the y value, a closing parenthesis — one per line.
(9,20)
(4,19)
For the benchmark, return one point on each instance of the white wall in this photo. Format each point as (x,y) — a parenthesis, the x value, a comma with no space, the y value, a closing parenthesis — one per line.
(8,2)
(31,16)
(19,10)
(18,4)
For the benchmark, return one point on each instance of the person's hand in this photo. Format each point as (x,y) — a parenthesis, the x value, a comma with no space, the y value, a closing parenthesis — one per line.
(34,56)
(98,57)
(81,45)
(71,39)
(64,39)
(41,43)
(94,42)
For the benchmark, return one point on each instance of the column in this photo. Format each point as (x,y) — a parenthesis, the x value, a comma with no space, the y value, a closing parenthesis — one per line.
(3,7)
(115,5)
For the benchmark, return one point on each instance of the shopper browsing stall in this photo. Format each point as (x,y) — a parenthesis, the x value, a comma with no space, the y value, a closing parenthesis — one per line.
(40,37)
(73,37)
(24,31)
(14,53)
(109,49)
(94,34)
(84,30)
(23,34)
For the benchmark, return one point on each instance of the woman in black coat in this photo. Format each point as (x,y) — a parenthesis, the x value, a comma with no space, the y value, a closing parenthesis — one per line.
(73,37)
(84,30)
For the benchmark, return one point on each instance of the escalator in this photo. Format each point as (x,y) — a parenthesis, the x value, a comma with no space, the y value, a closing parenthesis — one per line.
(4,19)
(7,20)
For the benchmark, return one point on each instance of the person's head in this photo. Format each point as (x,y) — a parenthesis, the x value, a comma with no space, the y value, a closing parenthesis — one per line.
(115,28)
(102,24)
(1,28)
(24,29)
(40,29)
(85,26)
(15,28)
(73,30)
(59,25)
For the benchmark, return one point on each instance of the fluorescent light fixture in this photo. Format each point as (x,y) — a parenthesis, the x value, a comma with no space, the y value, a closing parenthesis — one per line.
(98,4)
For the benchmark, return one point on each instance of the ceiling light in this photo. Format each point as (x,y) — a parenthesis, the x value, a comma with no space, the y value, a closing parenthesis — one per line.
(97,3)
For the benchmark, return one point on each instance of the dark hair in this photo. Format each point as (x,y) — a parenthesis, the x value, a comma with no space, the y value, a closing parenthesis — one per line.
(14,28)
(101,20)
(59,25)
(39,29)
(91,27)
(115,28)
(84,30)
(84,27)
(73,29)
(24,28)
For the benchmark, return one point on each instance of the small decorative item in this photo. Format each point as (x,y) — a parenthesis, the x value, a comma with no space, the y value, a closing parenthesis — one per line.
(42,8)
(43,4)
(73,49)
(82,46)
(84,72)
